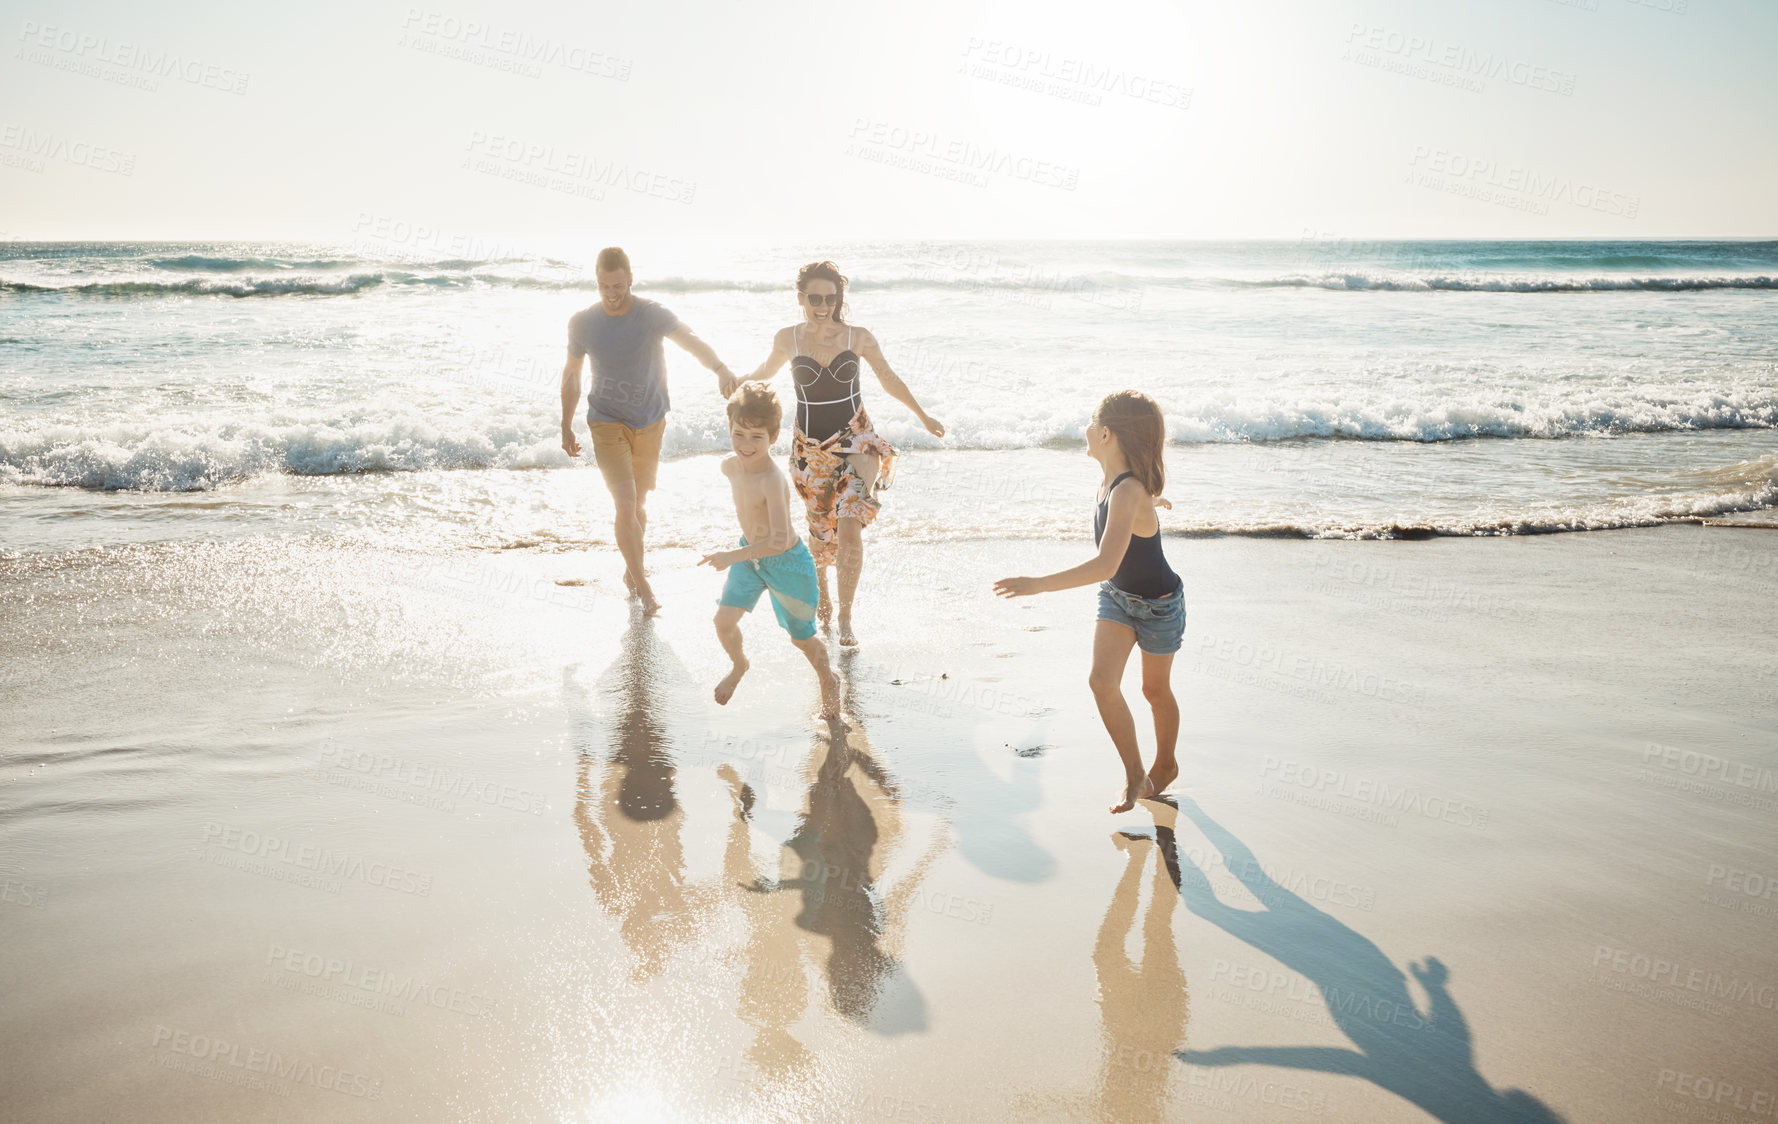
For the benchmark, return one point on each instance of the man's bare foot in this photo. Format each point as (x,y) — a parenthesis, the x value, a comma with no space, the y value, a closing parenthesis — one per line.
(725,690)
(646,592)
(1138,789)
(844,632)
(1163,775)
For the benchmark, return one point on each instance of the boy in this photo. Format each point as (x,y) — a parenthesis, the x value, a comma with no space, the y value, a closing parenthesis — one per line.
(770,558)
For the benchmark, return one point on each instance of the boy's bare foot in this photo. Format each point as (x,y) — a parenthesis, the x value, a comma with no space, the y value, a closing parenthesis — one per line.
(1163,775)
(1138,789)
(844,632)
(725,690)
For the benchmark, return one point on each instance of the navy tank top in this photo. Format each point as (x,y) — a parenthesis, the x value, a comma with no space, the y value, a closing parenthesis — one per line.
(826,394)
(1144,570)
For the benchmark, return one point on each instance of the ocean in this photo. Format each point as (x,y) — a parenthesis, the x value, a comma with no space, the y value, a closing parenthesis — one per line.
(402,391)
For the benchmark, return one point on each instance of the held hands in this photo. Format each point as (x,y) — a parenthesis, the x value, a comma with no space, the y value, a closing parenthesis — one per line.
(726,382)
(1017,587)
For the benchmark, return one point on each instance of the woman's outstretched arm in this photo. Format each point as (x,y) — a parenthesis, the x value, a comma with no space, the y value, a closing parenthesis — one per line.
(775,361)
(892,384)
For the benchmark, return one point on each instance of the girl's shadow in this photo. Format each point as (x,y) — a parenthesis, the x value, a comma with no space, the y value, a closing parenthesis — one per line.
(1424,1058)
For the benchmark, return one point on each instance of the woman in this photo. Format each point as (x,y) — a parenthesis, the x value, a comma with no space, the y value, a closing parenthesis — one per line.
(837,461)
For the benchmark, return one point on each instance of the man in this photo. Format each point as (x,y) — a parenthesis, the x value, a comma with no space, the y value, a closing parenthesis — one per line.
(627,405)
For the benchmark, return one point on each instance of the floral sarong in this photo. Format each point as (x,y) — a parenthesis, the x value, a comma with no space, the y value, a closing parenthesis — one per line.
(831,487)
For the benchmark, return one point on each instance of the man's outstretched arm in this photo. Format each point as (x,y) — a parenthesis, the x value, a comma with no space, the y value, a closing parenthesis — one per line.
(571,399)
(705,354)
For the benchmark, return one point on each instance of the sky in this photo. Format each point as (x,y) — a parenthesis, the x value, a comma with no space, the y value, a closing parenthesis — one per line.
(441,121)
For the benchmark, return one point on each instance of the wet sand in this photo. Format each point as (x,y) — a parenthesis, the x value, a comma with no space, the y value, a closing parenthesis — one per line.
(1470,830)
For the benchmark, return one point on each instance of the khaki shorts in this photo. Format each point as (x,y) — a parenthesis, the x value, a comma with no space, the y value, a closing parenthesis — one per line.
(628,455)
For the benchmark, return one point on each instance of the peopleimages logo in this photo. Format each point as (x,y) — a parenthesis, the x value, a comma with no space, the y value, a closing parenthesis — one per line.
(1519,185)
(321,862)
(547,160)
(37,147)
(519,48)
(216,1057)
(1457,59)
(376,982)
(961,154)
(82,50)
(1662,972)
(1381,794)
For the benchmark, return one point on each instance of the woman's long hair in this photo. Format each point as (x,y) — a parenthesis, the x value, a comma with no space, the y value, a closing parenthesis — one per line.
(824,271)
(1135,420)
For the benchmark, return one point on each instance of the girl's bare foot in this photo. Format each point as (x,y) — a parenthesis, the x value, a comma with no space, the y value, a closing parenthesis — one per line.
(725,690)
(1163,775)
(1138,789)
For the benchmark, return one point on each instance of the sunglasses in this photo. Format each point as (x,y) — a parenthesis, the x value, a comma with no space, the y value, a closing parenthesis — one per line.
(817,300)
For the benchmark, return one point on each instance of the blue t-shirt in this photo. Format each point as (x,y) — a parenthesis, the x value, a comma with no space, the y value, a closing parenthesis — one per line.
(629,363)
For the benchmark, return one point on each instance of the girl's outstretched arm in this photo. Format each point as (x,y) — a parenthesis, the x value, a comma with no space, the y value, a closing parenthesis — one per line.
(1120,520)
(892,384)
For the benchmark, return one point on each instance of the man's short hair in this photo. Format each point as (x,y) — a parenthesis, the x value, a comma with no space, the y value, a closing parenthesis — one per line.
(755,404)
(612,259)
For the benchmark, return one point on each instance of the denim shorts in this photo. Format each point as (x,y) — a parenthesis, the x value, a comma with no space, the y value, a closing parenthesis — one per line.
(1158,622)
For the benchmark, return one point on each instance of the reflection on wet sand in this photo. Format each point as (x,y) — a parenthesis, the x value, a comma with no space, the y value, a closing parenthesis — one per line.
(828,904)
(1423,1057)
(1143,1006)
(630,826)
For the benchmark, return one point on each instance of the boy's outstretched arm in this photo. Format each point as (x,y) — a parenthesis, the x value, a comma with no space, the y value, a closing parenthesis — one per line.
(1120,520)
(777,541)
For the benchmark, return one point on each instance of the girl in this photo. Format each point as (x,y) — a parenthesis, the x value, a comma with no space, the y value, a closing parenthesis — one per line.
(1141,599)
(838,462)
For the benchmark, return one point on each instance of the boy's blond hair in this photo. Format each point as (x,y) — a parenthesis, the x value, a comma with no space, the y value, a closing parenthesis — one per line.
(755,404)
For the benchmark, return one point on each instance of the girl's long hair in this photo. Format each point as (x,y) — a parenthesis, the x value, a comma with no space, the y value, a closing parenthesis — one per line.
(1135,420)
(824,271)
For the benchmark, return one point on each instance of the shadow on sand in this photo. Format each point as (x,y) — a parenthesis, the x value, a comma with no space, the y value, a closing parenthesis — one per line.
(629,818)
(1423,1057)
(829,902)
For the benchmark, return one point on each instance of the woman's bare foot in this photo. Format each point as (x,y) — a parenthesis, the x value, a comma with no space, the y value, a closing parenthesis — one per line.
(646,592)
(1163,775)
(830,697)
(725,690)
(1138,789)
